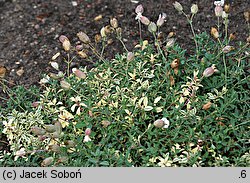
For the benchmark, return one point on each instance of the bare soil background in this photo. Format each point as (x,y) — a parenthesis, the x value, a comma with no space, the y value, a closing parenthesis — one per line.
(29,29)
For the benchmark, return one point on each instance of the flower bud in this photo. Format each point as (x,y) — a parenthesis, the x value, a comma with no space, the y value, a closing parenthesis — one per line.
(209,71)
(214,33)
(114,23)
(103,34)
(88,131)
(227,8)
(194,9)
(79,73)
(152,27)
(37,130)
(232,36)
(98,38)
(83,37)
(42,137)
(65,85)
(227,49)
(50,128)
(139,9)
(178,6)
(207,105)
(145,20)
(161,19)
(54,148)
(47,161)
(130,56)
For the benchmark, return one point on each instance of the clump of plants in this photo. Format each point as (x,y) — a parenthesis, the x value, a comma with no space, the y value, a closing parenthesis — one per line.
(152,106)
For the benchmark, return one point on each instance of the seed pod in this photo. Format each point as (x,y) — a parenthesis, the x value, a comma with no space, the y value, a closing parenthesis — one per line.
(50,128)
(130,56)
(47,161)
(227,49)
(83,37)
(79,47)
(218,11)
(54,148)
(178,6)
(38,131)
(58,126)
(152,27)
(214,33)
(66,45)
(82,54)
(79,73)
(65,85)
(159,123)
(207,105)
(209,71)
(144,20)
(194,9)
(119,31)
(70,143)
(114,23)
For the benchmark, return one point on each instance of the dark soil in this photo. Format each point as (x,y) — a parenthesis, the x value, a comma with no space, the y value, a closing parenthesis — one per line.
(30,28)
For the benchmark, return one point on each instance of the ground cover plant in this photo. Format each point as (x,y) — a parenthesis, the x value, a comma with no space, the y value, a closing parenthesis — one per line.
(155,105)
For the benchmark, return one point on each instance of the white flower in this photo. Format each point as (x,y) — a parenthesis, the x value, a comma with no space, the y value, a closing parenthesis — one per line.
(138,16)
(78,104)
(87,138)
(44,80)
(219,3)
(166,122)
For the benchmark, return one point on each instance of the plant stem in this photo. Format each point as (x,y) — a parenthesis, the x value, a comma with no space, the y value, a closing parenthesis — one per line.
(140,29)
(225,68)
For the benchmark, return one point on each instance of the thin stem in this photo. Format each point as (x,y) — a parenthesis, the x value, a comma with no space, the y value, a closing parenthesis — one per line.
(140,29)
(225,68)
(103,47)
(96,53)
(124,46)
(158,47)
(190,21)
